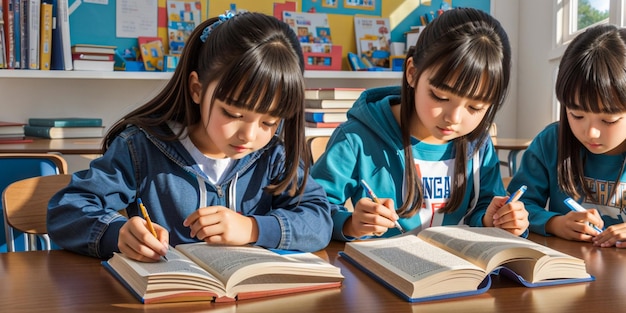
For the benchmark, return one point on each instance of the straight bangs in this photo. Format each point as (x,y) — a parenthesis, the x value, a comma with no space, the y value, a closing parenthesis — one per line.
(592,74)
(599,88)
(474,72)
(266,80)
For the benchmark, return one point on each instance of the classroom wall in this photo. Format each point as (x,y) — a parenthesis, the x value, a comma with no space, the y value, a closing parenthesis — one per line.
(402,15)
(523,105)
(538,62)
(95,23)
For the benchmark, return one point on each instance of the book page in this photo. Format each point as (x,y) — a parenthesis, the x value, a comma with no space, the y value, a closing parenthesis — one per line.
(410,256)
(177,275)
(176,264)
(415,267)
(233,264)
(487,247)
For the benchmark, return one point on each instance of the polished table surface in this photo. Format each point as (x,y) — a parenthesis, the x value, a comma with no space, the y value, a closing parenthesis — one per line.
(60,281)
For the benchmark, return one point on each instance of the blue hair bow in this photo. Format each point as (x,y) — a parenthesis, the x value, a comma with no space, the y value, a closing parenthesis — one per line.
(222,18)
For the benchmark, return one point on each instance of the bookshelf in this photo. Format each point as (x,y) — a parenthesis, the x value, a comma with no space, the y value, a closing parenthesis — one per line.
(109,95)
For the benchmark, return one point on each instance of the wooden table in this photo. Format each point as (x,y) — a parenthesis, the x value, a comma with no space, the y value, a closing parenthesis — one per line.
(60,281)
(514,146)
(63,146)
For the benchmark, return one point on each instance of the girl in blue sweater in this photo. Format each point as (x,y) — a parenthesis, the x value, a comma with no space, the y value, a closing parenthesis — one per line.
(207,156)
(584,154)
(425,146)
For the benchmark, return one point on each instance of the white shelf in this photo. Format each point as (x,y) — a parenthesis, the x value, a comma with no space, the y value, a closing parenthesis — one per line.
(84,75)
(167,75)
(352,75)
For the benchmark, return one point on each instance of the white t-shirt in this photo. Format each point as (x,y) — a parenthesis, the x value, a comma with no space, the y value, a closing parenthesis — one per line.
(213,168)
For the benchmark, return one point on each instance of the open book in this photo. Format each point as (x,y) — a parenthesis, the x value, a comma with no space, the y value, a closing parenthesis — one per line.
(452,261)
(203,272)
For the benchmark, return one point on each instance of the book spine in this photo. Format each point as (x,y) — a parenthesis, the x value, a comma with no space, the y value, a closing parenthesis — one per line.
(17,34)
(9,39)
(2,42)
(65,123)
(64,32)
(34,10)
(46,36)
(36,131)
(314,117)
(23,33)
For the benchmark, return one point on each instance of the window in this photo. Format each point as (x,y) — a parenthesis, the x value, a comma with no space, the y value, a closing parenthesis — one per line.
(576,15)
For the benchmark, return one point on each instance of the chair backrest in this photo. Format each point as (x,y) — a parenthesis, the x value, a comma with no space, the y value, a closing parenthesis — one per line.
(317,145)
(25,202)
(506,180)
(17,166)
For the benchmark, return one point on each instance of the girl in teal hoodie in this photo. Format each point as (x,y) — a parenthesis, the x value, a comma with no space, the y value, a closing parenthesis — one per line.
(583,156)
(455,79)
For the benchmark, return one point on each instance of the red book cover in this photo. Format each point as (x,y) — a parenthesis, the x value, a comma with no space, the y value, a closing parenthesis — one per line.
(322,124)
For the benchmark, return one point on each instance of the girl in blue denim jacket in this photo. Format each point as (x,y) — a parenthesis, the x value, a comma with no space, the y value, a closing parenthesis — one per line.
(207,156)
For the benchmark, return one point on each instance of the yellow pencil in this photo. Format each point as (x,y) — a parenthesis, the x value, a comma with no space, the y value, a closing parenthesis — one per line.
(144,212)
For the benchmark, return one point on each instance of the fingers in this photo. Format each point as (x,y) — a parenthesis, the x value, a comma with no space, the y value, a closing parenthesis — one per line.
(614,235)
(137,242)
(570,227)
(220,225)
(371,218)
(512,217)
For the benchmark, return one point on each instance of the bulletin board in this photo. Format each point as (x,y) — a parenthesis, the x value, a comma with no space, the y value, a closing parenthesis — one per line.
(346,7)
(94,23)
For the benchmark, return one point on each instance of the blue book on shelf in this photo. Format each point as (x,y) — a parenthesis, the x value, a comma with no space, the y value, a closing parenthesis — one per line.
(63,132)
(56,55)
(65,121)
(17,33)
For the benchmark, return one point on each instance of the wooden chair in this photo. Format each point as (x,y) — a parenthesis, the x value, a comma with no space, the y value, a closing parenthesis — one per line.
(506,181)
(317,146)
(25,204)
(17,166)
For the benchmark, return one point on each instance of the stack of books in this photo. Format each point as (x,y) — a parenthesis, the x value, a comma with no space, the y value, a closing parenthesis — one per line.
(93,57)
(64,127)
(12,132)
(327,107)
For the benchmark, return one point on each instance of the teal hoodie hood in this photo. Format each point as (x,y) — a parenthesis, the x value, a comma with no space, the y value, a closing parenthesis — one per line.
(368,146)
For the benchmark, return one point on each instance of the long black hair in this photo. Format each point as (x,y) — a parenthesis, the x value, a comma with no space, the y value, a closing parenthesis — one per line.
(591,78)
(469,51)
(256,61)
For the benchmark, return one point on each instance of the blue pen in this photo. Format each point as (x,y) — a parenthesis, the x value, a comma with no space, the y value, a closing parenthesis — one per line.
(518,194)
(375,199)
(576,207)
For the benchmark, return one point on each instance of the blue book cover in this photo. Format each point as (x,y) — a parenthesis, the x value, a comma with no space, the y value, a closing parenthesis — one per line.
(56,57)
(65,121)
(325,117)
(17,31)
(63,132)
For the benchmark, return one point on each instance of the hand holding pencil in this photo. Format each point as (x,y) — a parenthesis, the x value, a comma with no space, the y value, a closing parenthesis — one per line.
(372,216)
(509,214)
(142,240)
